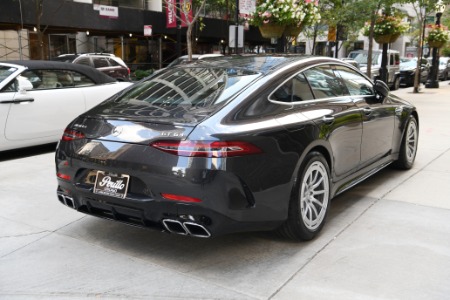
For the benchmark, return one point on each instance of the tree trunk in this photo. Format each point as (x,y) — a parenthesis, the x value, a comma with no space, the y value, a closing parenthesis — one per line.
(40,34)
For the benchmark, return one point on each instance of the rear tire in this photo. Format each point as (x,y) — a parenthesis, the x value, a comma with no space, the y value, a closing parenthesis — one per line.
(408,148)
(396,84)
(308,207)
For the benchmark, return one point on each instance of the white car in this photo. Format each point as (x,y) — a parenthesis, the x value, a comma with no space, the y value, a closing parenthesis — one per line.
(39,98)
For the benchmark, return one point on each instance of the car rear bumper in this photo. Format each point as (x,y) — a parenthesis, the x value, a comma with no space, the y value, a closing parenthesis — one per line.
(178,218)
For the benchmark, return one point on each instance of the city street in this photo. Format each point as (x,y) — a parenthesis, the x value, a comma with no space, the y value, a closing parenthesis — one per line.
(387,238)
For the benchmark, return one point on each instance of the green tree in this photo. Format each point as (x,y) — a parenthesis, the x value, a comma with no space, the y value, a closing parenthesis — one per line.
(197,8)
(424,8)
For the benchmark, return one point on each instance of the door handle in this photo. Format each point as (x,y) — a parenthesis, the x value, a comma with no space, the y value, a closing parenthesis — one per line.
(17,101)
(328,119)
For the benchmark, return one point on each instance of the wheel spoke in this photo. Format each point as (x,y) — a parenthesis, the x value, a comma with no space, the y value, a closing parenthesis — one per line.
(314,209)
(318,192)
(314,200)
(316,185)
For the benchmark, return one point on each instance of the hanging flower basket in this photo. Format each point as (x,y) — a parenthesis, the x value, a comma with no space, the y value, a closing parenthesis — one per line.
(271,30)
(386,38)
(293,30)
(436,44)
(438,36)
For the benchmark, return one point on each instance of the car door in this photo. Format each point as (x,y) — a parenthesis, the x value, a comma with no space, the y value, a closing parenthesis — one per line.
(378,116)
(43,111)
(337,117)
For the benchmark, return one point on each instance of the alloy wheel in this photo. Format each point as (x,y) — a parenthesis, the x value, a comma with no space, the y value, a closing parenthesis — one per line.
(314,195)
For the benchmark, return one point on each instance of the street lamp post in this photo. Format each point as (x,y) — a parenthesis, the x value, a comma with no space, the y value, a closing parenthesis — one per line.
(432,80)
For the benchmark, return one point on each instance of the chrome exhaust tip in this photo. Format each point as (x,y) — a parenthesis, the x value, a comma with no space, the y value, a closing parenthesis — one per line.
(186,228)
(196,230)
(66,200)
(174,226)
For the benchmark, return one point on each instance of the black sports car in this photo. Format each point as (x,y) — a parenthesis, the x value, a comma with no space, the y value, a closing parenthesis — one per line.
(239,143)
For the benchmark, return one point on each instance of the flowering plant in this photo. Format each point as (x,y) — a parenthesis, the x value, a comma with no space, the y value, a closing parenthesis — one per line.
(387,25)
(285,12)
(438,33)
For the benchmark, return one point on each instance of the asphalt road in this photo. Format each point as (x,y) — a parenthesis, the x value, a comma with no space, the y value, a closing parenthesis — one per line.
(387,238)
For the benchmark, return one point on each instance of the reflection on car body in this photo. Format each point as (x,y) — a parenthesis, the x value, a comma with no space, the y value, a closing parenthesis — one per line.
(259,143)
(38,98)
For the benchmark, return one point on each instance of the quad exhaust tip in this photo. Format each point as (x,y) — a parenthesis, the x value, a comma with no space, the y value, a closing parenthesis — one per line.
(186,228)
(66,200)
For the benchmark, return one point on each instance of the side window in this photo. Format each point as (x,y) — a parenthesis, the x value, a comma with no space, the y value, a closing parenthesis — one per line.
(35,77)
(356,84)
(283,93)
(301,88)
(81,80)
(324,83)
(113,63)
(394,59)
(65,78)
(46,79)
(84,61)
(101,62)
(11,87)
(293,90)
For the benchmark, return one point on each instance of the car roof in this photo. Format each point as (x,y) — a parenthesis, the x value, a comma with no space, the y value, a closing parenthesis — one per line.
(260,63)
(92,73)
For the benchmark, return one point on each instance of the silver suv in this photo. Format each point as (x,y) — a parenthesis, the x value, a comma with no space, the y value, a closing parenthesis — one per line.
(105,62)
(393,65)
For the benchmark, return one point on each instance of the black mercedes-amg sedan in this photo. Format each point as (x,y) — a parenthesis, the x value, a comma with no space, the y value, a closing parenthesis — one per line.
(240,143)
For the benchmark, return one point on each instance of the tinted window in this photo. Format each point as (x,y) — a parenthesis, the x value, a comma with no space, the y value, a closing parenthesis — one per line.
(84,61)
(293,90)
(356,84)
(101,62)
(113,63)
(324,83)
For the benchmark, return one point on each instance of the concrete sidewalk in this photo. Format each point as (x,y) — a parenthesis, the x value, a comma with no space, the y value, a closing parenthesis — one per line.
(387,238)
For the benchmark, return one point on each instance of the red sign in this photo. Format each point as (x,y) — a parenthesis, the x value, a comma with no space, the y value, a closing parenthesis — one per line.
(147,30)
(171,13)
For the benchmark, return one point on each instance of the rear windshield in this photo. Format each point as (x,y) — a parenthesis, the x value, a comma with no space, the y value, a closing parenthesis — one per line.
(193,88)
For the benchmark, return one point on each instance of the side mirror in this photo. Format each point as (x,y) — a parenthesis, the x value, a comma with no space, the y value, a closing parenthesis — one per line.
(24,84)
(381,88)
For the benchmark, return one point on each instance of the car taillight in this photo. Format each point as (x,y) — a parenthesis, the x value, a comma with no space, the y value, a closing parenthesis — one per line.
(180,198)
(70,135)
(63,176)
(206,149)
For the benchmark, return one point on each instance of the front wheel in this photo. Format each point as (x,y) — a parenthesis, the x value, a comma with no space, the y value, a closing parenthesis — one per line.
(309,204)
(408,148)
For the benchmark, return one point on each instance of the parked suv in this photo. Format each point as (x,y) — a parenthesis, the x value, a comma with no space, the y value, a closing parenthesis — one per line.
(393,65)
(104,62)
(444,68)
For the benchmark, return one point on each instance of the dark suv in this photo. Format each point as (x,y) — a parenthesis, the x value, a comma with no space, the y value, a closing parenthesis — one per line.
(104,62)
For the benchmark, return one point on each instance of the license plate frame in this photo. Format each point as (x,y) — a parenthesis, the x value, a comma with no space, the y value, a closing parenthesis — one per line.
(111,184)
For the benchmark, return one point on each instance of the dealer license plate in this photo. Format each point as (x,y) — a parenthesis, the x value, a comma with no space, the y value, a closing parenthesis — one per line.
(109,184)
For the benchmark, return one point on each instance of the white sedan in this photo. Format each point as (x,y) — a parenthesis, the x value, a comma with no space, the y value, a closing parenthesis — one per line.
(39,98)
